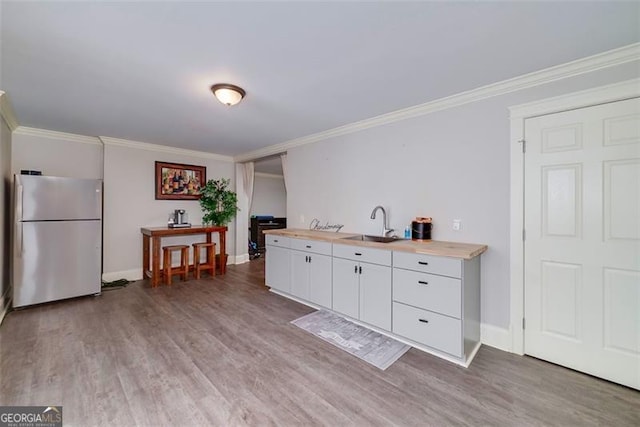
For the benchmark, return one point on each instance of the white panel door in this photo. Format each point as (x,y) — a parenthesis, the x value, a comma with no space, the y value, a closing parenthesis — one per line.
(582,247)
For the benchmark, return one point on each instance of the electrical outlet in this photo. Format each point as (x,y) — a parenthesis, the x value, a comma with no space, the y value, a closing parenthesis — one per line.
(457,224)
(302,219)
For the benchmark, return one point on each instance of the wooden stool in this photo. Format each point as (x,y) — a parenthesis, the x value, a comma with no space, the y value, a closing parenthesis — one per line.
(167,251)
(211,259)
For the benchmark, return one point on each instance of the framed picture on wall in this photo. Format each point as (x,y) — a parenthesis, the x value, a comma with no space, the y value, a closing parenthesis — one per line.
(176,181)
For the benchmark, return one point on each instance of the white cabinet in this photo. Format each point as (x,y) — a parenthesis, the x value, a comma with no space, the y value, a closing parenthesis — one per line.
(277,274)
(375,295)
(346,287)
(311,271)
(430,301)
(362,290)
(437,302)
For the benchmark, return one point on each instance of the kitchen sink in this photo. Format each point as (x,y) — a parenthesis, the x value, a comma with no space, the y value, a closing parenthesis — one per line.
(370,238)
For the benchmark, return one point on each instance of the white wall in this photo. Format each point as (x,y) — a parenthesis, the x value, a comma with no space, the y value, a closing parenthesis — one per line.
(452,164)
(269,195)
(5,214)
(56,154)
(129,204)
(129,185)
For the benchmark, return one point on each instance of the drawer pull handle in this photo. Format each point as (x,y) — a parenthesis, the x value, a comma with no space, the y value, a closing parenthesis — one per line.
(422,282)
(423,320)
(358,254)
(275,241)
(423,263)
(308,246)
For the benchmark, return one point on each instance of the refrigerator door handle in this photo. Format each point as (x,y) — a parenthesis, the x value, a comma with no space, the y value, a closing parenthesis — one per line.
(19,239)
(19,203)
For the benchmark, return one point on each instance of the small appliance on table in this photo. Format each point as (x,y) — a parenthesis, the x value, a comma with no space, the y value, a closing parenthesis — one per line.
(179,219)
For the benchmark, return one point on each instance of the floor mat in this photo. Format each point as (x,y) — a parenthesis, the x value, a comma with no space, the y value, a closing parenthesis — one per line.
(370,346)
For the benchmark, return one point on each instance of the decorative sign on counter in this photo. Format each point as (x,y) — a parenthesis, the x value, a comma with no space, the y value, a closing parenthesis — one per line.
(315,225)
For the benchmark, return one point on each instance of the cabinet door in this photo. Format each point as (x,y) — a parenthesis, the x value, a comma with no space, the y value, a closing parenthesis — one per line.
(300,274)
(345,287)
(375,295)
(320,280)
(277,268)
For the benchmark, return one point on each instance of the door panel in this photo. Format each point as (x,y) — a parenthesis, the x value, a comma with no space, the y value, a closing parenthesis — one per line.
(300,274)
(345,287)
(46,198)
(621,201)
(56,260)
(375,295)
(561,299)
(620,320)
(582,248)
(561,201)
(277,268)
(320,280)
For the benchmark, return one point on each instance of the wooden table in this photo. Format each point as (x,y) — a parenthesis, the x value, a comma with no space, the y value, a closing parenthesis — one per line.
(154,236)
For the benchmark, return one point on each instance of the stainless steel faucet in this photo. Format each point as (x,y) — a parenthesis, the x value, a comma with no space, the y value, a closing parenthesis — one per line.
(385,230)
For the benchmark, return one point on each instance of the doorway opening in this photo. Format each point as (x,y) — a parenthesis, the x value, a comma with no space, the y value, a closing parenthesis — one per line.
(268,208)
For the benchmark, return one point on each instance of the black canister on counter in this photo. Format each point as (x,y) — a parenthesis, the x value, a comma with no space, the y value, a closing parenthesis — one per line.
(421,228)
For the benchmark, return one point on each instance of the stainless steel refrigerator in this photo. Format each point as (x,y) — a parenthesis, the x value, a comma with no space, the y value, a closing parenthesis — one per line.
(57,238)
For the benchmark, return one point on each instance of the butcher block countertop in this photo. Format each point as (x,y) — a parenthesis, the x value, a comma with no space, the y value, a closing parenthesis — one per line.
(439,248)
(427,247)
(301,233)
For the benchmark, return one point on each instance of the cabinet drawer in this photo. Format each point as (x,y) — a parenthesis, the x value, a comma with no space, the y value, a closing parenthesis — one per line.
(431,292)
(364,254)
(275,240)
(444,266)
(431,329)
(314,246)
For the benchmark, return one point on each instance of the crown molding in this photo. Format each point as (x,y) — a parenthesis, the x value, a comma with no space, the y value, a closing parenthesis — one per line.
(162,149)
(7,113)
(52,134)
(599,95)
(269,175)
(611,58)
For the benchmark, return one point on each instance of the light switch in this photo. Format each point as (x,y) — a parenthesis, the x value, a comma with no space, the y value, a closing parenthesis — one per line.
(457,224)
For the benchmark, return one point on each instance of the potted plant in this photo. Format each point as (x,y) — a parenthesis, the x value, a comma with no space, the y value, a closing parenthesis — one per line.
(219,205)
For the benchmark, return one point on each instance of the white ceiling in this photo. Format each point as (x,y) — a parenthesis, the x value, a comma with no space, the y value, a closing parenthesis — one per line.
(142,70)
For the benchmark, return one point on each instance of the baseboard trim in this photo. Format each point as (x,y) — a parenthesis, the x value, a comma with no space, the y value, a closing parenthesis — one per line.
(496,337)
(429,350)
(241,259)
(135,274)
(5,305)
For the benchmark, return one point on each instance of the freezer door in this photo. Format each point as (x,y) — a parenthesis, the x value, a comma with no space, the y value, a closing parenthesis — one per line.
(50,198)
(56,260)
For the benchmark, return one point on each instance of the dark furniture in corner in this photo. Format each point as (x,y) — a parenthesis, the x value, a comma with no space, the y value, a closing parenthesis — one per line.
(258,225)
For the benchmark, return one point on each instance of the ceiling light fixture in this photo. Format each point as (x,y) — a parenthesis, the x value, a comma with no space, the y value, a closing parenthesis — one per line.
(228,94)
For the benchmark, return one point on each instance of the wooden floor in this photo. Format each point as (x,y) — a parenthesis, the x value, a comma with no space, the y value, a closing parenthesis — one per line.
(222,352)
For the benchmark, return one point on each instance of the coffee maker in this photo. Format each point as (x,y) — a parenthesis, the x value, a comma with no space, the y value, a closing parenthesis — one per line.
(180,219)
